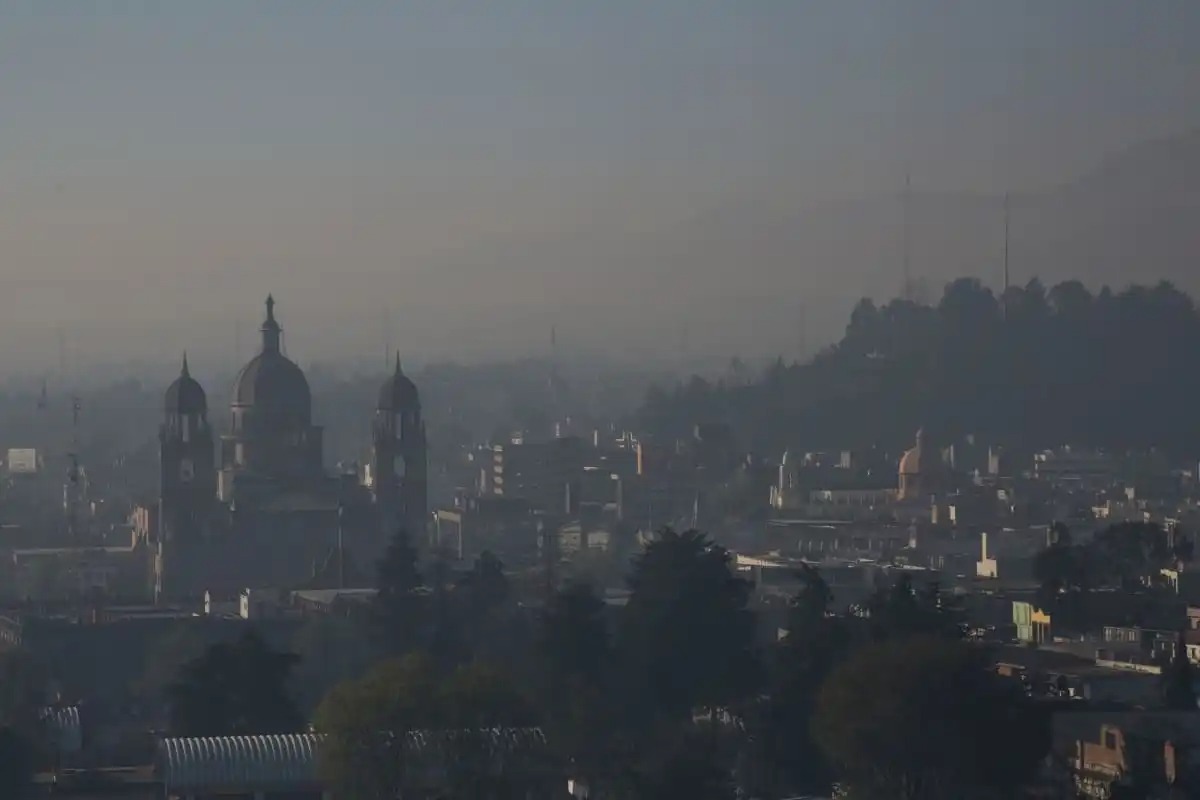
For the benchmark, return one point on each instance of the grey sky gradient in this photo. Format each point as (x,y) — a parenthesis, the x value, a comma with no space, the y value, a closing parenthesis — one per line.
(471,167)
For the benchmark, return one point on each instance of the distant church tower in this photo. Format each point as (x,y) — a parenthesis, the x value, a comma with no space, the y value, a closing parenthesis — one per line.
(398,460)
(188,478)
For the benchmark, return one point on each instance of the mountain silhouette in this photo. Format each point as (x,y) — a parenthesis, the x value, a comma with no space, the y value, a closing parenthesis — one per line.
(1132,219)
(736,278)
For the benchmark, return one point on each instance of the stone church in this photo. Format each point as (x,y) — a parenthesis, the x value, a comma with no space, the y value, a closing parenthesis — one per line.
(256,507)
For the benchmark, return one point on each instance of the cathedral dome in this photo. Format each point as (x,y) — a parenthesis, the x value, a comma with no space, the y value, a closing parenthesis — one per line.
(271,381)
(398,392)
(185,395)
(912,463)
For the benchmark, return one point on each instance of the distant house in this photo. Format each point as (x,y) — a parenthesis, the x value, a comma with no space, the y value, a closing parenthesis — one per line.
(1033,624)
(1107,749)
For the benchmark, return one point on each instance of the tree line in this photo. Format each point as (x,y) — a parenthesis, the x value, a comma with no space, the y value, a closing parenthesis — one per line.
(690,687)
(1015,367)
(687,689)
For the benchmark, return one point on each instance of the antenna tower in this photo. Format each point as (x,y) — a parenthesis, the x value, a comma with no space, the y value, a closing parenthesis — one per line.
(385,331)
(74,474)
(802,324)
(62,355)
(907,288)
(554,382)
(1006,274)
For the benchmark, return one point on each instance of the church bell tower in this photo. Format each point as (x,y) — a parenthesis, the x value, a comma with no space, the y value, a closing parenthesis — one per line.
(187,482)
(398,460)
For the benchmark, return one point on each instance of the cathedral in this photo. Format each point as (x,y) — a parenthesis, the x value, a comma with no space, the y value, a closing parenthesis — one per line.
(257,508)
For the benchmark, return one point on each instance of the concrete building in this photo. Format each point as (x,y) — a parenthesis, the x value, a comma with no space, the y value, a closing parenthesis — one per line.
(547,474)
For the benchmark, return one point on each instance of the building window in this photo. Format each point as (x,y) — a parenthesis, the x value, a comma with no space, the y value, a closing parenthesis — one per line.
(1110,740)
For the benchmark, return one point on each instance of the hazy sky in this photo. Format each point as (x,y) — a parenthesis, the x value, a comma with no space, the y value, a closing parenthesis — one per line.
(465,166)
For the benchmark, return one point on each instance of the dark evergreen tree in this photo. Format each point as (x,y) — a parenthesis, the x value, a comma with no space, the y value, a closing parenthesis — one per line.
(235,688)
(23,687)
(448,641)
(686,639)
(485,587)
(784,758)
(923,718)
(574,662)
(25,745)
(689,770)
(398,607)
(573,641)
(902,610)
(17,758)
(457,718)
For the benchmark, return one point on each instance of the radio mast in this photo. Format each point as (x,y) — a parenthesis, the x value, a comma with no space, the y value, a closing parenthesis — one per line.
(907,289)
(74,473)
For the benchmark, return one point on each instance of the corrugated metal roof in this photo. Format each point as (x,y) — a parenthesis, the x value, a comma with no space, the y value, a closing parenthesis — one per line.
(250,762)
(64,728)
(282,762)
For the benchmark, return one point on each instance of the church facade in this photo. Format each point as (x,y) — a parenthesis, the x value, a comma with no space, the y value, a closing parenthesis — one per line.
(255,507)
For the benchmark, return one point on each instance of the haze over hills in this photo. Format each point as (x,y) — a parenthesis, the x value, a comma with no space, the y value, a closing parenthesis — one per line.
(745,276)
(1134,218)
(758,276)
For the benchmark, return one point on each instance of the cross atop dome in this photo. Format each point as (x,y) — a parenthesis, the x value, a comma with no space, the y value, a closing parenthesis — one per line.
(270,328)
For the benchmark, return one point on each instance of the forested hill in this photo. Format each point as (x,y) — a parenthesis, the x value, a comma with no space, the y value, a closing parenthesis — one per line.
(1037,366)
